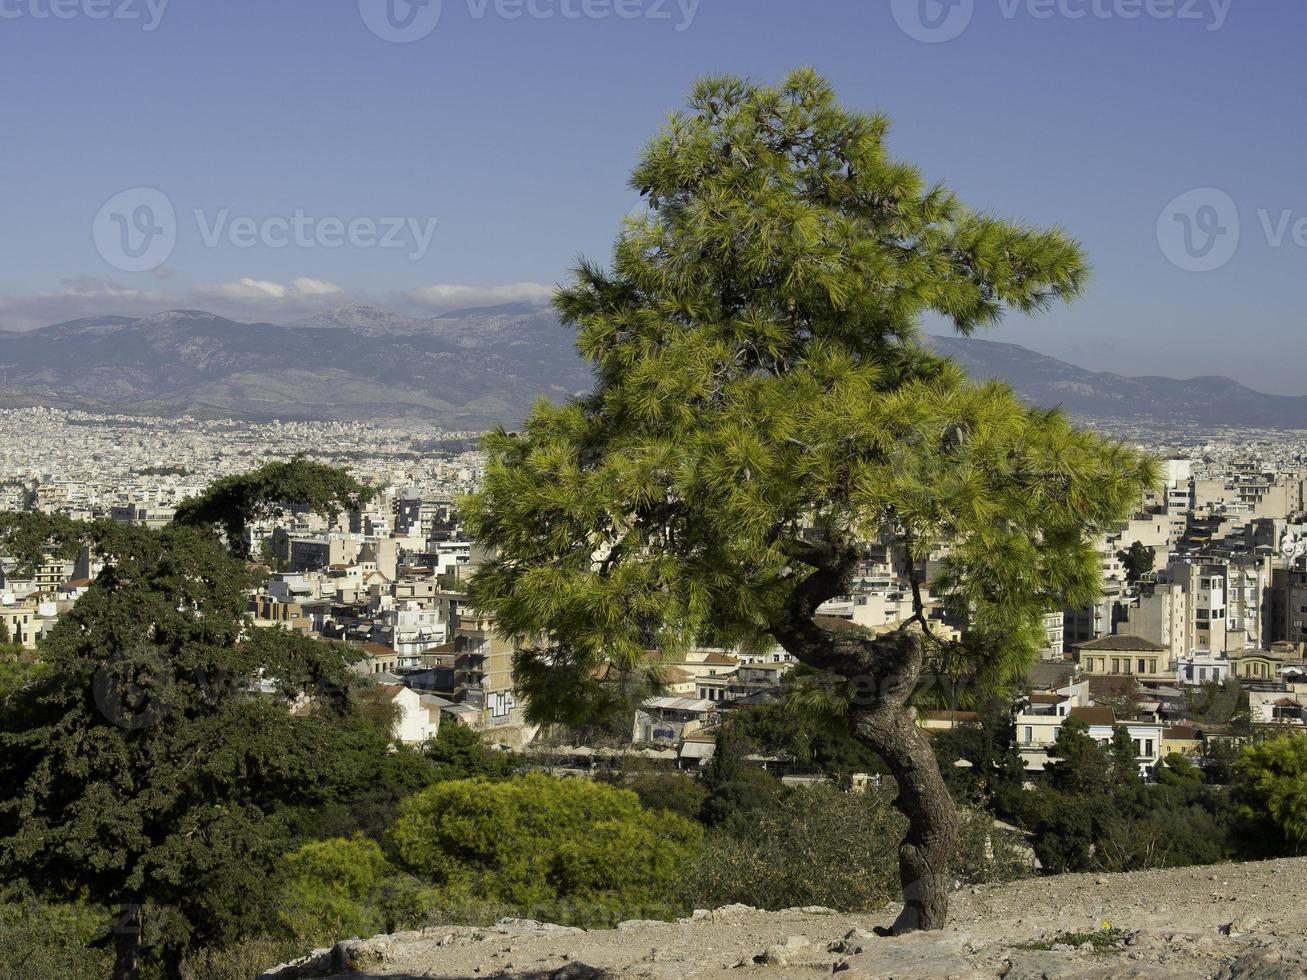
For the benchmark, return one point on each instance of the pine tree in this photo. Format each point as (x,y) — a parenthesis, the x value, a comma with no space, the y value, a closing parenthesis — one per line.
(763,404)
(1125,763)
(1082,767)
(140,769)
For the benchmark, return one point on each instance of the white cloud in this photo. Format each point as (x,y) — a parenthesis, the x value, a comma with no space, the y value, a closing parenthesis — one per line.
(80,297)
(264,292)
(248,298)
(449,297)
(316,287)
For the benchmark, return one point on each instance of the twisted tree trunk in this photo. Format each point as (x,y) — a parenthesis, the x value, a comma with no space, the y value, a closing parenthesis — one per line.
(888,725)
(882,672)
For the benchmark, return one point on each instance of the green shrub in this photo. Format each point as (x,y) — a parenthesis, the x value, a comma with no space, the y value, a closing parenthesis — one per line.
(672,791)
(563,848)
(42,941)
(327,886)
(461,753)
(343,887)
(1272,794)
(241,960)
(988,854)
(817,846)
(822,846)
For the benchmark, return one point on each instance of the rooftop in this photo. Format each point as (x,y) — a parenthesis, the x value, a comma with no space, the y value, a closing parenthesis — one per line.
(1121,642)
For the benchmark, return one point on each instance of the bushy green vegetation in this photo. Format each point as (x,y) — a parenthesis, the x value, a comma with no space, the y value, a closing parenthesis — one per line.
(1272,796)
(41,940)
(1091,811)
(460,753)
(579,847)
(231,503)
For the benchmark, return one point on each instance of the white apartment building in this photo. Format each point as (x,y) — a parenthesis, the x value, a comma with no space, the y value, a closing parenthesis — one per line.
(1202,667)
(1216,607)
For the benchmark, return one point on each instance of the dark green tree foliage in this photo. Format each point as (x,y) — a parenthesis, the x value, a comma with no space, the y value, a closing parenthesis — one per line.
(1064,839)
(994,775)
(763,404)
(230,504)
(1138,561)
(143,771)
(1177,770)
(1217,704)
(1096,813)
(738,790)
(1272,795)
(674,791)
(1082,767)
(806,725)
(459,752)
(1125,761)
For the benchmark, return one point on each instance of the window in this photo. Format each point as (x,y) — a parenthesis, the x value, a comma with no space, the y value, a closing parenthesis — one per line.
(1148,747)
(1143,666)
(1030,734)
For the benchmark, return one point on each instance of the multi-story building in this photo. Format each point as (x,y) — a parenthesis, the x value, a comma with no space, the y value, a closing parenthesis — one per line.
(1123,655)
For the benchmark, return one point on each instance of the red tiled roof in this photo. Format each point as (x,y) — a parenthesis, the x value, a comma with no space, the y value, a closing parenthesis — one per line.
(1097,714)
(720,658)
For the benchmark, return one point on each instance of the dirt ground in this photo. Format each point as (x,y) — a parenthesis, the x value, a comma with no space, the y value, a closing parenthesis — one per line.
(1232,922)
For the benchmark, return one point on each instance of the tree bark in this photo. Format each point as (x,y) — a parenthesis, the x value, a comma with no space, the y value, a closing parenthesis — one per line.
(883,672)
(887,723)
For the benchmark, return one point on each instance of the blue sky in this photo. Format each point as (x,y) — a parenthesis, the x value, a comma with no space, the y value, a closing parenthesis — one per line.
(514,135)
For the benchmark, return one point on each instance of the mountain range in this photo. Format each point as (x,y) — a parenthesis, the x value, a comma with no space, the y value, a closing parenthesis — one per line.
(468,369)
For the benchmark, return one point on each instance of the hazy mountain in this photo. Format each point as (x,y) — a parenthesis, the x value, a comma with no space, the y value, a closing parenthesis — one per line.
(464,372)
(467,369)
(1098,394)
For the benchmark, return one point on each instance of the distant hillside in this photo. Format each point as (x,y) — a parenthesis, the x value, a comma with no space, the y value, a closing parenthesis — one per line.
(1047,381)
(467,370)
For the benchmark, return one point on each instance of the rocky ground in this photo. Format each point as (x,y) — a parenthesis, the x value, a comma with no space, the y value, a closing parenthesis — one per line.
(1231,922)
